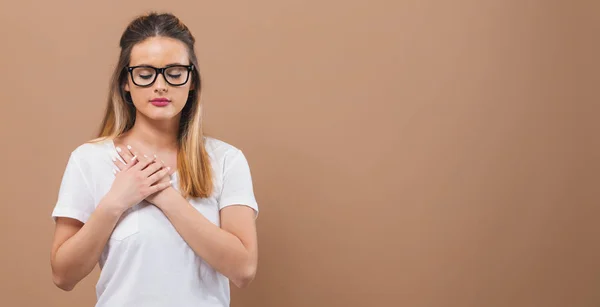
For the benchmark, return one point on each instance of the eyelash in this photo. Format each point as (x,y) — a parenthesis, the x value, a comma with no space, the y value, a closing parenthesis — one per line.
(146,77)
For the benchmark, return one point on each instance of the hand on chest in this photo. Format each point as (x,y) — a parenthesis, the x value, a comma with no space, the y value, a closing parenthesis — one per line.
(167,157)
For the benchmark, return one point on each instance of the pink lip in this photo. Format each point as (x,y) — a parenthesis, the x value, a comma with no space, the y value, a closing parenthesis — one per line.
(160,102)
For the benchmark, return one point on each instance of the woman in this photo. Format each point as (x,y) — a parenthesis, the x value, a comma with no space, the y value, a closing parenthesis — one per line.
(168,213)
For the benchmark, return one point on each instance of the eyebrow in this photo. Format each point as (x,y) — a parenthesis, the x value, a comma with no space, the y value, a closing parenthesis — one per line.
(170,64)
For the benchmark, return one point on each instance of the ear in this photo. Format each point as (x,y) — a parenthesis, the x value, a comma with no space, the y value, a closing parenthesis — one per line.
(126,86)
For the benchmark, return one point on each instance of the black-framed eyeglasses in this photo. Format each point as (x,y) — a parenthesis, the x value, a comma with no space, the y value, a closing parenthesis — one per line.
(145,75)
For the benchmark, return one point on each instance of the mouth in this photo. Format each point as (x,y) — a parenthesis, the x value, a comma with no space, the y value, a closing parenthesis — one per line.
(160,102)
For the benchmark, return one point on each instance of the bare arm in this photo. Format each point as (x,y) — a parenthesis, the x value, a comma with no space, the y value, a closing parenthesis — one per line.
(231,249)
(76,247)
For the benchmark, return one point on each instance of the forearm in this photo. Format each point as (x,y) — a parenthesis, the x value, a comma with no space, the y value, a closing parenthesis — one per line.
(220,249)
(78,256)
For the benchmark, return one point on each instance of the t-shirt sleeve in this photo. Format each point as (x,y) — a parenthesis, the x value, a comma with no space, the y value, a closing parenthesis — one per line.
(74,196)
(237,186)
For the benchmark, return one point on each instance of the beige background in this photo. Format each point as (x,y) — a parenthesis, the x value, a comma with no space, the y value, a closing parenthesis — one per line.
(405,153)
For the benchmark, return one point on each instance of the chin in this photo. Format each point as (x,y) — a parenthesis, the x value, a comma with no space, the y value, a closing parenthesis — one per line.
(160,114)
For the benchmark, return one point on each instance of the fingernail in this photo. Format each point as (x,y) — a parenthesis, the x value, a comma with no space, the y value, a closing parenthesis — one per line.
(114,171)
(128,147)
(114,159)
(155,156)
(134,157)
(119,149)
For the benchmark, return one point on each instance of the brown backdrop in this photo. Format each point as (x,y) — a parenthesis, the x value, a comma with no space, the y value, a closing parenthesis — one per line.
(405,153)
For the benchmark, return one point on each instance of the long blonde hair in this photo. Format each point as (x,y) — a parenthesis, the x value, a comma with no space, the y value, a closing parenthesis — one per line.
(193,164)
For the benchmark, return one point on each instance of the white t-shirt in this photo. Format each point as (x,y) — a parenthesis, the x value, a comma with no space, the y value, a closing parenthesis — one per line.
(146,262)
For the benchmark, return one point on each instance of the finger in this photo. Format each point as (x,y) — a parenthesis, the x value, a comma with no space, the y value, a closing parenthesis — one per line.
(160,186)
(118,163)
(124,154)
(140,156)
(131,163)
(152,168)
(157,158)
(150,161)
(130,150)
(142,163)
(133,152)
(158,175)
(161,161)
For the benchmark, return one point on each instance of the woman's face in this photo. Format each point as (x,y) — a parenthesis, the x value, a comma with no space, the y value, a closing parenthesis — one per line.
(159,100)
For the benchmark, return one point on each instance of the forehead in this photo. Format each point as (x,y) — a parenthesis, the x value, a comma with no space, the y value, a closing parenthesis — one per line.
(159,52)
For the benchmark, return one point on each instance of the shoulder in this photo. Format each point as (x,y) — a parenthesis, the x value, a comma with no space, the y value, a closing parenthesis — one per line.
(222,154)
(218,149)
(92,150)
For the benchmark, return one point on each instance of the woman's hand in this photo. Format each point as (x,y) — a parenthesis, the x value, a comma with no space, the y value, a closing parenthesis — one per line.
(157,164)
(137,180)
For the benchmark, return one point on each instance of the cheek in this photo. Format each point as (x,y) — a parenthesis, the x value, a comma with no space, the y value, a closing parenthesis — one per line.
(182,95)
(139,95)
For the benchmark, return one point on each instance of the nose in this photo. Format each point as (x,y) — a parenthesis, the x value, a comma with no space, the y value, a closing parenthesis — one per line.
(161,84)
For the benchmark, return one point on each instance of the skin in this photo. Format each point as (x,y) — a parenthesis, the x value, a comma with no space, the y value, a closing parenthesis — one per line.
(150,151)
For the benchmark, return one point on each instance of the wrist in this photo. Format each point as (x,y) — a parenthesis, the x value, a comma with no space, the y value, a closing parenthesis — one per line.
(164,197)
(111,206)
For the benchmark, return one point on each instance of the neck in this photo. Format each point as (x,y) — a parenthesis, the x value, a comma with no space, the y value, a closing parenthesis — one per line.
(156,135)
